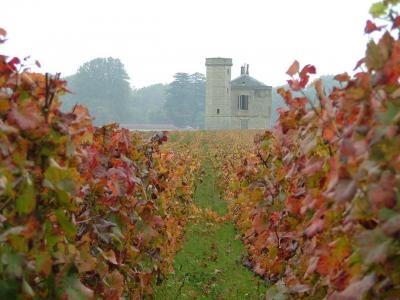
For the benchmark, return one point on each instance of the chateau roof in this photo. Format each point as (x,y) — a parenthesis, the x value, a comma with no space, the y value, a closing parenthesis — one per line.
(247,81)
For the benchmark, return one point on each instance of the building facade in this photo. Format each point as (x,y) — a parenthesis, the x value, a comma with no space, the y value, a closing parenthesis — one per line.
(242,103)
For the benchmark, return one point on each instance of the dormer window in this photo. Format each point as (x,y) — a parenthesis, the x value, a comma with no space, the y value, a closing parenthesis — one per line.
(243,102)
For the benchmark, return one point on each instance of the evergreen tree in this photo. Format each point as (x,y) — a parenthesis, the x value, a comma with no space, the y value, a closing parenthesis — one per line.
(102,85)
(184,104)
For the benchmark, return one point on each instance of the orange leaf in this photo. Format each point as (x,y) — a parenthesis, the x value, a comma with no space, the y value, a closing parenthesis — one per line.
(324,265)
(293,69)
(328,134)
(110,256)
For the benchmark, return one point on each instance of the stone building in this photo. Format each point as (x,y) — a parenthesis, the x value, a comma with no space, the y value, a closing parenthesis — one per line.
(242,103)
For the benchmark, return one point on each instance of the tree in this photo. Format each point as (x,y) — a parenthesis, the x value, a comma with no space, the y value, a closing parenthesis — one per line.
(184,104)
(148,104)
(199,95)
(102,85)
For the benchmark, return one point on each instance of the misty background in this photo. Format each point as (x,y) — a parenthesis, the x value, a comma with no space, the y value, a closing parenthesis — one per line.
(141,62)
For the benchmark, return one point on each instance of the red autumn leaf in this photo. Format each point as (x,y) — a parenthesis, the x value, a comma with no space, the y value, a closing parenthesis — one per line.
(313,166)
(315,227)
(347,147)
(371,27)
(293,69)
(380,197)
(304,80)
(345,191)
(157,221)
(294,205)
(274,219)
(14,61)
(396,22)
(308,69)
(359,63)
(26,117)
(356,290)
(294,85)
(340,280)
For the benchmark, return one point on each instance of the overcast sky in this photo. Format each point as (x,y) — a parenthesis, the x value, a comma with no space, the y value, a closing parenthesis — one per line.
(157,38)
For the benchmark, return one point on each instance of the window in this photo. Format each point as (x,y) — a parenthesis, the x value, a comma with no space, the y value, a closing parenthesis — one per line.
(244,124)
(217,111)
(227,71)
(243,102)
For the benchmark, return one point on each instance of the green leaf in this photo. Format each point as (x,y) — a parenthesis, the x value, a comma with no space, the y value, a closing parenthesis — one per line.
(74,289)
(67,226)
(374,246)
(390,114)
(13,262)
(341,248)
(26,201)
(64,179)
(9,289)
(378,9)
(27,289)
(277,292)
(50,238)
(43,263)
(386,213)
(374,59)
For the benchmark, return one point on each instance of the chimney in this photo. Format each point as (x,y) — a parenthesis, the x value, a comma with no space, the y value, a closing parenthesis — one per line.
(247,69)
(242,70)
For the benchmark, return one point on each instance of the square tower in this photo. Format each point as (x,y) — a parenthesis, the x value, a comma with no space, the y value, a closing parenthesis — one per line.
(218,93)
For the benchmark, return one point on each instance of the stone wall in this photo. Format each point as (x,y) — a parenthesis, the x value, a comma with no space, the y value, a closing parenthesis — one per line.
(259,109)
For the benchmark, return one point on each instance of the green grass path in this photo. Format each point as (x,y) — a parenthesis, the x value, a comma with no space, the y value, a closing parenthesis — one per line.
(209,264)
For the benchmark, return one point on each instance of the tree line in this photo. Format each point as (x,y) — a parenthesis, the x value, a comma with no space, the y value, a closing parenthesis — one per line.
(102,85)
